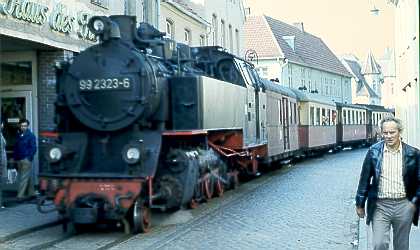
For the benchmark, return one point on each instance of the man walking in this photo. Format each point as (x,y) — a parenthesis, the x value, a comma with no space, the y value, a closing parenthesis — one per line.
(24,152)
(390,183)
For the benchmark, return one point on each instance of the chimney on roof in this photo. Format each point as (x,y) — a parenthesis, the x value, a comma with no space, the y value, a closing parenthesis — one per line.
(299,25)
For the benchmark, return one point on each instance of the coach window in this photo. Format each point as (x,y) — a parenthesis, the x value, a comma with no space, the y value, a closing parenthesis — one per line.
(295,111)
(333,117)
(311,116)
(324,117)
(344,116)
(348,117)
(292,112)
(329,116)
(358,117)
(279,104)
(318,116)
(279,111)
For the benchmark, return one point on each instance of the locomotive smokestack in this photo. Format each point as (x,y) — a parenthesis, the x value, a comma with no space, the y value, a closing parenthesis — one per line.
(127,26)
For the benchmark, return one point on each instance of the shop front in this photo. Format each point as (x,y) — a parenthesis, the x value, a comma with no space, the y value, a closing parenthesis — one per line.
(34,35)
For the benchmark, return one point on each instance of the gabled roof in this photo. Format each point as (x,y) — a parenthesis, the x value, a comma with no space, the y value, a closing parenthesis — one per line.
(308,50)
(371,66)
(259,37)
(362,87)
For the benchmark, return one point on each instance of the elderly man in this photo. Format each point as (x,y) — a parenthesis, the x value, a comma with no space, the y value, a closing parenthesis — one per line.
(390,183)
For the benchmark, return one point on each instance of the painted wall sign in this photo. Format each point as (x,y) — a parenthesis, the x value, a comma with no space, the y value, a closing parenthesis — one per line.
(60,18)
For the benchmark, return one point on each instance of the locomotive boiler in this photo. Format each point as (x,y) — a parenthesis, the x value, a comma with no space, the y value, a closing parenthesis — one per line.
(144,123)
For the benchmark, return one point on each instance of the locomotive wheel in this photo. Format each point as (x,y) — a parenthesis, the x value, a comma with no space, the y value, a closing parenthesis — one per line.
(208,186)
(197,196)
(141,217)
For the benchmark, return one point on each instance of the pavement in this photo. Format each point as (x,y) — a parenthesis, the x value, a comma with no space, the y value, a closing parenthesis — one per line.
(18,219)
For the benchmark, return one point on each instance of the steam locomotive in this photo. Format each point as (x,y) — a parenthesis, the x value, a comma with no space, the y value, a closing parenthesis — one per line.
(145,123)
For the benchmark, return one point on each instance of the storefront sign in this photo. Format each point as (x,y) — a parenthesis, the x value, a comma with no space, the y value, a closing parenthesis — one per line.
(59,17)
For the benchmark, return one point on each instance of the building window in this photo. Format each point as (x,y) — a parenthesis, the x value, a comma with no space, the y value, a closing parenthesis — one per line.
(169,28)
(230,39)
(214,26)
(222,33)
(263,71)
(203,40)
(237,41)
(187,36)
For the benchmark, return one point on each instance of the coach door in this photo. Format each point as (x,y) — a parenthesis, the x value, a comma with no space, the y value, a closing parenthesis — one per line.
(286,113)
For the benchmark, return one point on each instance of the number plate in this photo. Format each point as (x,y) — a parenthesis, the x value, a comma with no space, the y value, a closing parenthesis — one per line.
(101,84)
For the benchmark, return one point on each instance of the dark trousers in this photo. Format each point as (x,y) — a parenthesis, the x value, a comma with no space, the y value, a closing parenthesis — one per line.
(26,185)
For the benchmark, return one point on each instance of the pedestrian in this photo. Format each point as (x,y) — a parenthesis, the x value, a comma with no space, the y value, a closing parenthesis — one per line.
(390,185)
(24,151)
(3,164)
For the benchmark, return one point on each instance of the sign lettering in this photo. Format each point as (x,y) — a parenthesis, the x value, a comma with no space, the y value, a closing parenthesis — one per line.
(60,18)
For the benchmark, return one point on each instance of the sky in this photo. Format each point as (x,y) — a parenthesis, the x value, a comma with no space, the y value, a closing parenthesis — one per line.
(346,26)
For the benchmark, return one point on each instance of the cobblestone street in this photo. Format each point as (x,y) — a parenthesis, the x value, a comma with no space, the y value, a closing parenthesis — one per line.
(309,206)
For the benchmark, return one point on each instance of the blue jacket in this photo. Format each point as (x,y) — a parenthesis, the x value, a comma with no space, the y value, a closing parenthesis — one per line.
(25,146)
(367,190)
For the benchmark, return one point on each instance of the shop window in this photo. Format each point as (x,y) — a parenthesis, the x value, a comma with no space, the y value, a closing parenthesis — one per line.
(16,73)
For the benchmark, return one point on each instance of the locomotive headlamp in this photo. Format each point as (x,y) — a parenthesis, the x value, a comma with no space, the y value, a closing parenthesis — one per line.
(99,25)
(131,154)
(55,154)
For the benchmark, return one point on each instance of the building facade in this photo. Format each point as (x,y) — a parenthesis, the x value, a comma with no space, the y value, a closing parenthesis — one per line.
(407,67)
(296,59)
(183,24)
(34,36)
(387,62)
(205,22)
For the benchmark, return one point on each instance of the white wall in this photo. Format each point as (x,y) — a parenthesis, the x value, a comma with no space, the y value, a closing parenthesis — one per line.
(336,87)
(232,12)
(407,68)
(181,22)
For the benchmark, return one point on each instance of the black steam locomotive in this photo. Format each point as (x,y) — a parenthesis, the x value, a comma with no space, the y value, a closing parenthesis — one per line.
(145,123)
(141,123)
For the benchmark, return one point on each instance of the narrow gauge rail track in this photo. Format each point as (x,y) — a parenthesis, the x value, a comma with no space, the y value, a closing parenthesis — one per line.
(28,231)
(52,235)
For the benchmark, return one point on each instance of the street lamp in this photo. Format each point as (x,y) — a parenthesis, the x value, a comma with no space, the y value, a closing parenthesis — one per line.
(374,10)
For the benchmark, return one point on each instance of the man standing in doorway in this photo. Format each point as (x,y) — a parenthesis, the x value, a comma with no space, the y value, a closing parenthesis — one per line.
(24,151)
(390,183)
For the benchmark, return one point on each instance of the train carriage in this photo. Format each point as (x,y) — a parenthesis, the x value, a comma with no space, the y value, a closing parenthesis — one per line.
(317,124)
(351,124)
(374,115)
(282,117)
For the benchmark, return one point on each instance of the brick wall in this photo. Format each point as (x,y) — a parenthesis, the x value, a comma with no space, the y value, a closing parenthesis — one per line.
(46,86)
